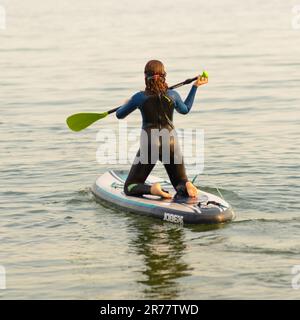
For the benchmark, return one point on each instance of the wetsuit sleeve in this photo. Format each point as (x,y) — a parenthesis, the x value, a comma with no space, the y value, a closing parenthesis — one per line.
(130,106)
(184,107)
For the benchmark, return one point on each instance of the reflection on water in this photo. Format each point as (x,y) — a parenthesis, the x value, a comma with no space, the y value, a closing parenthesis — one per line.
(163,247)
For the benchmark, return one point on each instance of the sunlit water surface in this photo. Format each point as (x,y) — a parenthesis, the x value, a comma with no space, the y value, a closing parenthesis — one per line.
(62,57)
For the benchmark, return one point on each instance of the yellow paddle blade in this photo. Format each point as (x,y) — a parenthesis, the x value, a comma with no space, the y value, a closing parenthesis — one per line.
(80,121)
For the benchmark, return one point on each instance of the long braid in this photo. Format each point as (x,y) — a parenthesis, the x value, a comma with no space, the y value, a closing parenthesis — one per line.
(155,78)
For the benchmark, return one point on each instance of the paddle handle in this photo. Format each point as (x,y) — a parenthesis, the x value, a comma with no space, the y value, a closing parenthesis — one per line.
(113,110)
(187,81)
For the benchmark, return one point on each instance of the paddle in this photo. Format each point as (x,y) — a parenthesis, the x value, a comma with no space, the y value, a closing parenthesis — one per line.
(80,121)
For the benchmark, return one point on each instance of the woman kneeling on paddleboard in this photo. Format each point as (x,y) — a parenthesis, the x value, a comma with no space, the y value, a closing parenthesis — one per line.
(157,104)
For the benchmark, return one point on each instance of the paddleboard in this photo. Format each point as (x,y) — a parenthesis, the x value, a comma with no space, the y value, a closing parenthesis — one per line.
(206,208)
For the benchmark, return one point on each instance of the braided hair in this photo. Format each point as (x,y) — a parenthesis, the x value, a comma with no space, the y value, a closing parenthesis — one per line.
(155,78)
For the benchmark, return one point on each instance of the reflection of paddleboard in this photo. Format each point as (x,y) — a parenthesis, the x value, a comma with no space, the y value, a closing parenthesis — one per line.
(206,208)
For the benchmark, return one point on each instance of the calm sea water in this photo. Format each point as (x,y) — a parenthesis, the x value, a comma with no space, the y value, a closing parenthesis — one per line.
(62,57)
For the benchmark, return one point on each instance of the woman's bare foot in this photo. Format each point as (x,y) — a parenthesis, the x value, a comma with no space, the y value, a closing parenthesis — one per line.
(191,189)
(157,191)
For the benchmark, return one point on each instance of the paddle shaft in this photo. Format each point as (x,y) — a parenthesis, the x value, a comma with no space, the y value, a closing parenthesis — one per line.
(187,81)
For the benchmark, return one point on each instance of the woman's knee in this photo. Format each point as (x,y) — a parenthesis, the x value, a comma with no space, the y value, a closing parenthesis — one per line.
(125,189)
(128,188)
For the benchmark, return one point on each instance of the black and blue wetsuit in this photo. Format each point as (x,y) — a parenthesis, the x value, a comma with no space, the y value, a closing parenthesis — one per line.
(157,113)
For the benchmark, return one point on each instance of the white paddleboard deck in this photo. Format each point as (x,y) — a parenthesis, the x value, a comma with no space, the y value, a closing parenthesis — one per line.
(205,209)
